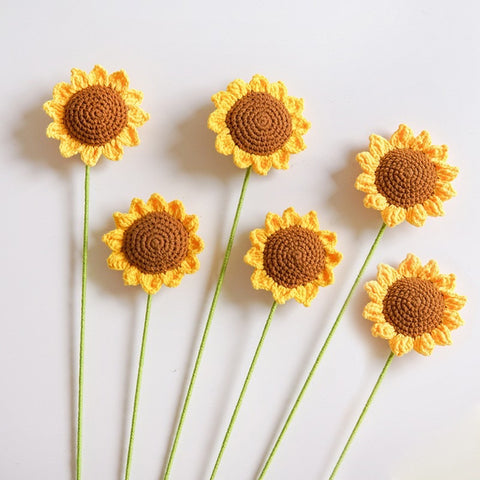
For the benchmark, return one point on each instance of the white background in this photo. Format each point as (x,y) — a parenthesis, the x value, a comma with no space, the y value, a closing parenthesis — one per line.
(362,67)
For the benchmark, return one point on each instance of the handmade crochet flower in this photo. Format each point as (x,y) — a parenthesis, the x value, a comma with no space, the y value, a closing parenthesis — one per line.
(413,306)
(154,243)
(95,114)
(406,178)
(259,123)
(292,256)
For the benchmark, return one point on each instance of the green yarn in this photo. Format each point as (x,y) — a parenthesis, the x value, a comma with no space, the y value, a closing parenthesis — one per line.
(360,418)
(242,392)
(81,359)
(206,330)
(322,351)
(137,387)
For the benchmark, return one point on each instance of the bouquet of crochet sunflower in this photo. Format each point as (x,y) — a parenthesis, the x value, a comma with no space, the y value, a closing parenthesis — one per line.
(406,178)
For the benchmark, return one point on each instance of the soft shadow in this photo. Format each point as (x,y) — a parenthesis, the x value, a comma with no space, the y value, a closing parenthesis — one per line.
(193,147)
(347,201)
(35,146)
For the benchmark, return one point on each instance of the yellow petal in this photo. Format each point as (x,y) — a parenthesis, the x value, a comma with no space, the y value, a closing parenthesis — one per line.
(452,319)
(393,215)
(172,278)
(366,183)
(329,239)
(224,143)
(387,275)
(150,283)
(295,143)
(132,97)
(176,209)
(258,237)
(383,330)
(424,344)
(239,88)
(454,301)
(125,220)
(444,191)
(191,223)
(400,344)
(375,291)
(280,160)
(368,162)
(444,282)
(430,271)
(438,153)
(422,141)
(69,147)
(224,100)
(379,146)
(137,205)
(434,206)
(157,203)
(216,121)
(273,223)
(190,265)
(441,335)
(254,257)
(54,110)
(334,258)
(117,261)
(131,275)
(113,151)
(305,294)
(90,154)
(376,201)
(62,92)
(196,244)
(241,159)
(259,83)
(300,124)
(446,173)
(410,267)
(136,116)
(118,81)
(291,217)
(56,130)
(278,90)
(129,136)
(79,79)
(261,164)
(98,76)
(416,215)
(114,239)
(403,137)
(310,220)
(374,312)
(260,280)
(294,105)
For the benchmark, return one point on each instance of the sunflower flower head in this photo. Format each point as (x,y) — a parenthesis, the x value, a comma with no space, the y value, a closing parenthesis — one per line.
(258,123)
(406,178)
(154,243)
(95,114)
(292,257)
(414,306)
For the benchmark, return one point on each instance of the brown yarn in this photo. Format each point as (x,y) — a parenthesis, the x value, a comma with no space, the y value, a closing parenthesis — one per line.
(156,243)
(294,256)
(413,306)
(95,115)
(405,177)
(259,123)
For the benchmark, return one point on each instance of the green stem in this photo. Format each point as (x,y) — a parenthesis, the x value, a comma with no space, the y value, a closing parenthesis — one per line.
(242,392)
(207,325)
(137,387)
(81,359)
(360,418)
(322,351)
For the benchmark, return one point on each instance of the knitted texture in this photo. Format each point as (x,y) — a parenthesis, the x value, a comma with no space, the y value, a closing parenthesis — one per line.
(292,257)
(154,243)
(406,178)
(95,114)
(258,123)
(414,306)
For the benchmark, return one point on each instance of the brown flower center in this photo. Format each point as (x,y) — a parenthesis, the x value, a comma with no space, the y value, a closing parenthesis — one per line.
(95,115)
(156,243)
(413,306)
(405,177)
(259,123)
(294,256)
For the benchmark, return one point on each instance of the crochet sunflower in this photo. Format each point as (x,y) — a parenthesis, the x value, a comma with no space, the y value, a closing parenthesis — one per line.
(406,178)
(258,123)
(95,114)
(414,306)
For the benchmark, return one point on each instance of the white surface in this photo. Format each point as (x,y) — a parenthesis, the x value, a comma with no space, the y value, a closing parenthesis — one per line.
(362,67)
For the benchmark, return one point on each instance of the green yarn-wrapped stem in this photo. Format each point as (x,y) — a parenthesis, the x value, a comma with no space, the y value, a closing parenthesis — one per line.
(322,351)
(206,329)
